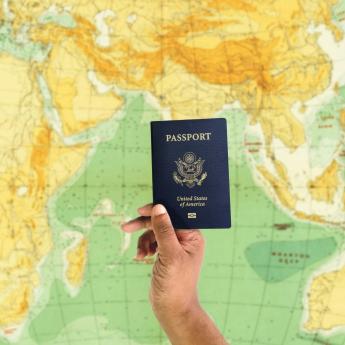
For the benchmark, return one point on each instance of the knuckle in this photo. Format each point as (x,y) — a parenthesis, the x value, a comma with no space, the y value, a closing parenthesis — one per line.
(163,226)
(198,238)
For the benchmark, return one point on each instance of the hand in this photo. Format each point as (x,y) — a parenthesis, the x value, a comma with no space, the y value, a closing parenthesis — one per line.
(173,291)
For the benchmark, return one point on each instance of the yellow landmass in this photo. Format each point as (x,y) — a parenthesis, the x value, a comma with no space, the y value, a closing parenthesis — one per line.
(232,5)
(34,163)
(238,49)
(280,187)
(326,307)
(311,217)
(342,118)
(324,187)
(281,170)
(178,88)
(16,303)
(76,260)
(79,104)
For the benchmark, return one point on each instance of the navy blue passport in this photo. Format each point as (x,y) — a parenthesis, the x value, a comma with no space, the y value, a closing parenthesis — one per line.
(190,174)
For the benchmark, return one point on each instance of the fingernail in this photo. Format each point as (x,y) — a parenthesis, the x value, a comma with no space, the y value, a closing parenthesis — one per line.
(124,228)
(142,207)
(159,209)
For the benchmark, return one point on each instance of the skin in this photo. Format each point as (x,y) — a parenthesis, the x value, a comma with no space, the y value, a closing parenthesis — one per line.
(173,292)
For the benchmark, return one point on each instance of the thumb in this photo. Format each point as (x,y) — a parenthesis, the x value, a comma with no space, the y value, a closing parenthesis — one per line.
(166,238)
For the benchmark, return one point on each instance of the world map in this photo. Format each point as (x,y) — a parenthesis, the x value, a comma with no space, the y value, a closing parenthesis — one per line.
(80,83)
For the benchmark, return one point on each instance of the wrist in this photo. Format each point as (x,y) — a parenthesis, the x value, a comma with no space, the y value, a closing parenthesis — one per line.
(176,316)
(192,326)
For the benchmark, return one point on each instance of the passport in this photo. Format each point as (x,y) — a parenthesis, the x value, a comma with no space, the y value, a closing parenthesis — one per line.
(190,173)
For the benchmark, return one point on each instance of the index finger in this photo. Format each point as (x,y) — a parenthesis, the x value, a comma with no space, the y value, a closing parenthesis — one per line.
(137,224)
(146,210)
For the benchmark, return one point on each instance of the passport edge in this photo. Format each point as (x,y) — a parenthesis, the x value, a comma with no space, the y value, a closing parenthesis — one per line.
(228,224)
(204,119)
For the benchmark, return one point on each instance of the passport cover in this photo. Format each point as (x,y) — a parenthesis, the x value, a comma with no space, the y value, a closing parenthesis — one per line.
(190,174)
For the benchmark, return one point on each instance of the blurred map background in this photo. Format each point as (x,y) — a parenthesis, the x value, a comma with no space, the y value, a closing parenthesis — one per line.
(80,82)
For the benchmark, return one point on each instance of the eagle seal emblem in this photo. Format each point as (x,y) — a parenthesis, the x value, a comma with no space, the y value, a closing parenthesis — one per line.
(189,168)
